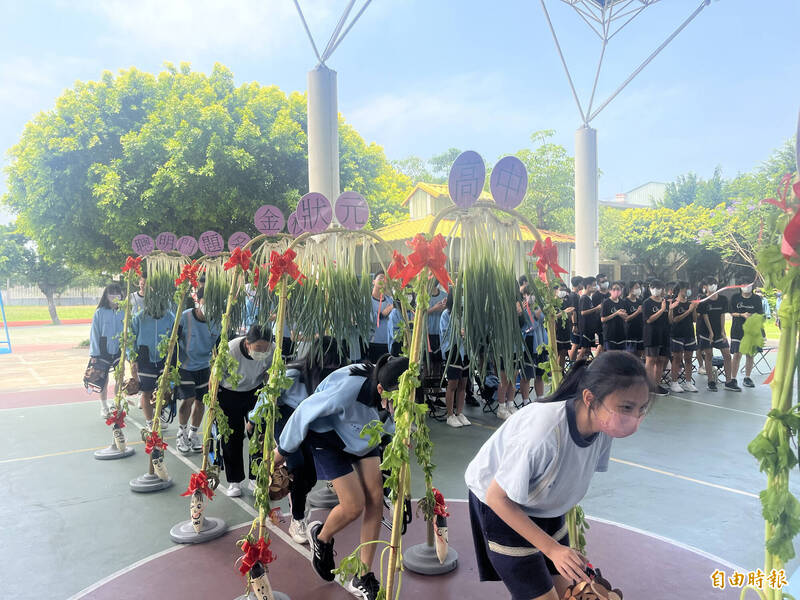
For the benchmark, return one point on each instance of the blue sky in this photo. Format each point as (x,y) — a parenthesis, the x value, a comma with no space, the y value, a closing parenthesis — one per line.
(420,76)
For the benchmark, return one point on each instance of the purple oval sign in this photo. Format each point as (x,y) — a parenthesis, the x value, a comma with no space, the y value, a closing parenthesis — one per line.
(509,182)
(165,241)
(269,220)
(238,240)
(314,212)
(211,243)
(143,244)
(467,176)
(352,210)
(186,245)
(293,225)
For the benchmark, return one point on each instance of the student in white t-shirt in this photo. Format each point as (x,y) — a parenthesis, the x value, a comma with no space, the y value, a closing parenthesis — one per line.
(539,464)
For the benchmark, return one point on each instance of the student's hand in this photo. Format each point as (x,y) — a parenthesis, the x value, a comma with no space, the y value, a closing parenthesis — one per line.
(250,428)
(570,564)
(674,305)
(747,315)
(621,312)
(664,304)
(278,458)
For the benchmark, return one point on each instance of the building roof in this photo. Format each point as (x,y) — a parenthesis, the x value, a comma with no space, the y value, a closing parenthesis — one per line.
(406,230)
(438,190)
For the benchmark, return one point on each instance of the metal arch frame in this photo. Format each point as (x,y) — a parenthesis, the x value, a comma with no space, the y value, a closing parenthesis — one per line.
(338,35)
(601,20)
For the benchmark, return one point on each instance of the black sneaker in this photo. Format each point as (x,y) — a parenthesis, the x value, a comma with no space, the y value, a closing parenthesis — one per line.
(321,552)
(712,386)
(366,587)
(747,382)
(660,390)
(732,386)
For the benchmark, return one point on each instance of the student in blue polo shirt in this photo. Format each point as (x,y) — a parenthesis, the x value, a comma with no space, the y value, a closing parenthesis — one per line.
(104,340)
(382,307)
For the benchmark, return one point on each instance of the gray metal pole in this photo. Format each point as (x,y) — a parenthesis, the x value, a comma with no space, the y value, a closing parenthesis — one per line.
(587,249)
(323,133)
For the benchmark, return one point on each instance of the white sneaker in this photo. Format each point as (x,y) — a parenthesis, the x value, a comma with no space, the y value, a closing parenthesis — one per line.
(298,530)
(502,412)
(196,441)
(511,407)
(675,387)
(182,441)
(701,371)
(689,387)
(251,486)
(104,412)
(463,420)
(453,421)
(234,489)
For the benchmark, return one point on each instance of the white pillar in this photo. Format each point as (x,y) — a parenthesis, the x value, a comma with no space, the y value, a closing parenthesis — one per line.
(323,133)
(587,248)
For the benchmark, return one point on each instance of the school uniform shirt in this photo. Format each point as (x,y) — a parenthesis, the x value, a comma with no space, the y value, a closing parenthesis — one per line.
(715,309)
(564,326)
(588,324)
(613,329)
(634,328)
(252,372)
(540,459)
(740,304)
(148,332)
(656,334)
(137,302)
(196,340)
(291,397)
(342,403)
(538,329)
(393,327)
(700,322)
(106,331)
(444,336)
(574,300)
(433,317)
(380,324)
(684,329)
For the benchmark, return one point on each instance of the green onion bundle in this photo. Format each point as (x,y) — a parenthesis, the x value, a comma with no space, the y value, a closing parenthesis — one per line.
(215,294)
(162,271)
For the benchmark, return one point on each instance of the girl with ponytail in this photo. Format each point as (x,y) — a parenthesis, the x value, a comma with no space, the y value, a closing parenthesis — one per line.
(539,464)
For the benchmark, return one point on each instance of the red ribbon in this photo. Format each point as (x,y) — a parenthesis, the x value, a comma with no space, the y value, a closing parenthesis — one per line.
(154,441)
(254,553)
(133,264)
(548,257)
(395,270)
(256,275)
(440,508)
(426,254)
(189,272)
(283,263)
(116,417)
(199,481)
(239,257)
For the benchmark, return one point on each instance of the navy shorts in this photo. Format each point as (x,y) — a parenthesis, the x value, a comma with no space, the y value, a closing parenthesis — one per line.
(735,347)
(705,343)
(683,344)
(587,339)
(634,346)
(194,384)
(148,374)
(504,555)
(458,368)
(575,338)
(609,345)
(656,351)
(332,461)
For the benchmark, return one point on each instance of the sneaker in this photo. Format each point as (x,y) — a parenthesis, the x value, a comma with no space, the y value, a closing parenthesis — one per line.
(712,386)
(366,587)
(298,530)
(453,421)
(701,371)
(511,408)
(234,489)
(104,412)
(182,441)
(660,390)
(195,440)
(502,412)
(251,486)
(321,552)
(732,386)
(463,420)
(675,388)
(747,382)
(689,387)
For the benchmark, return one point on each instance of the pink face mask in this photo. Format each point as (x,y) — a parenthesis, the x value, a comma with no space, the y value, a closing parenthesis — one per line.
(617,425)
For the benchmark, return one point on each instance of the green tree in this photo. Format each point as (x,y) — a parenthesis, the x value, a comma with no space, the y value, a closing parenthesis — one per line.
(181,151)
(550,200)
(440,164)
(689,189)
(415,168)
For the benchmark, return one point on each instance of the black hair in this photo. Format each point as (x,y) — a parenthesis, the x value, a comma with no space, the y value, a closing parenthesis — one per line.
(315,366)
(577,281)
(523,279)
(258,333)
(656,283)
(601,276)
(111,288)
(680,285)
(385,372)
(378,273)
(611,371)
(199,293)
(588,281)
(710,280)
(621,285)
(449,303)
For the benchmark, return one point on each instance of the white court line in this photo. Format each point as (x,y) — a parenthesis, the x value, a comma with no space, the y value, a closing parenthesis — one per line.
(744,412)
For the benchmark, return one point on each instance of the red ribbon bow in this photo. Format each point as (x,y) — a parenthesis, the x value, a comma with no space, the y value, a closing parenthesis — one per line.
(133,264)
(254,553)
(239,257)
(440,508)
(283,263)
(154,441)
(548,257)
(116,417)
(256,275)
(426,254)
(791,234)
(395,270)
(199,481)
(786,181)
(189,272)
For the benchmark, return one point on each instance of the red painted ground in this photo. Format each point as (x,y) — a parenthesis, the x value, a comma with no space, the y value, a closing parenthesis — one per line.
(48,322)
(30,348)
(44,397)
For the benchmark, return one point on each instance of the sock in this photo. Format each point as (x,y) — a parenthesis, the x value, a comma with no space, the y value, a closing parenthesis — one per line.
(148,424)
(192,429)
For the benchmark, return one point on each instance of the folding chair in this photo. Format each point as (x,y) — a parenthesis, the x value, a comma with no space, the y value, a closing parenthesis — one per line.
(760,360)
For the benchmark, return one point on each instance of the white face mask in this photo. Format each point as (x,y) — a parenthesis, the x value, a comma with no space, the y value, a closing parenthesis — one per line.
(688,293)
(747,289)
(259,355)
(712,288)
(604,285)
(655,291)
(562,293)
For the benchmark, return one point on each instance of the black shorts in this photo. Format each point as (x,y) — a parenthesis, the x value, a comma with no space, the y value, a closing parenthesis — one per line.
(575,338)
(635,346)
(657,351)
(504,555)
(735,347)
(588,339)
(287,346)
(148,374)
(332,461)
(458,368)
(683,344)
(706,343)
(375,351)
(194,384)
(610,345)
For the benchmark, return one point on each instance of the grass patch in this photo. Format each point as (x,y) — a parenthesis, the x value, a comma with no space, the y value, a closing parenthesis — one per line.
(40,313)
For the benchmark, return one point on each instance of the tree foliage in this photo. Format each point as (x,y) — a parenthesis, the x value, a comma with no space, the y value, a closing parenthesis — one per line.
(179,151)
